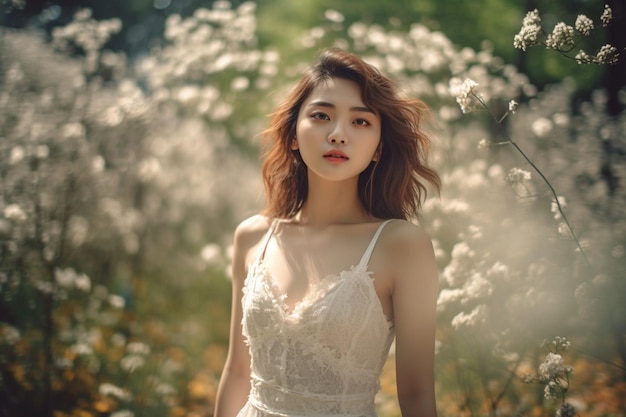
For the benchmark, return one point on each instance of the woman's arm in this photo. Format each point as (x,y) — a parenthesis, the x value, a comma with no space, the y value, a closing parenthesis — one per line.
(234,385)
(414,295)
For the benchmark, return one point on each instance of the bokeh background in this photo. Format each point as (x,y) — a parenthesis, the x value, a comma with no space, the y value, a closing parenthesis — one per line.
(129,152)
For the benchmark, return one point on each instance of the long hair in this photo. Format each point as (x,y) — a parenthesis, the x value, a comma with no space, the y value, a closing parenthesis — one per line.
(391,187)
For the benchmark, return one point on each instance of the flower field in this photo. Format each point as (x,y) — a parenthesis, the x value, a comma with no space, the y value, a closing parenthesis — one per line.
(121,181)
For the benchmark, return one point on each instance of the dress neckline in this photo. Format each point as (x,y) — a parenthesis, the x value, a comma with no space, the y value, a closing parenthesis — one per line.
(365,258)
(316,290)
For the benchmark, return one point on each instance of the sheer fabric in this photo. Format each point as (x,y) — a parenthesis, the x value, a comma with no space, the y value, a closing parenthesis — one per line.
(324,357)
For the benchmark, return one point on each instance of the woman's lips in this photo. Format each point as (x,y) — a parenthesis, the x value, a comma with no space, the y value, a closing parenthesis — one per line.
(336,156)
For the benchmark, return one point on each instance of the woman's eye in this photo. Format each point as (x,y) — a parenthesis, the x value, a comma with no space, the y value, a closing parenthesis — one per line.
(361,122)
(320,116)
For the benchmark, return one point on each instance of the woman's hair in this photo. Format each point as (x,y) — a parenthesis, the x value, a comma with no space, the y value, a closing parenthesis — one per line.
(391,187)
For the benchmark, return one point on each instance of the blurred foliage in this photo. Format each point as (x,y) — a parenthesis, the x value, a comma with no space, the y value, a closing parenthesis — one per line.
(280,21)
(122,177)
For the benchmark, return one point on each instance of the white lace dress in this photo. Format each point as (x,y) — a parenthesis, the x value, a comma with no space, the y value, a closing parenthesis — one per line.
(323,358)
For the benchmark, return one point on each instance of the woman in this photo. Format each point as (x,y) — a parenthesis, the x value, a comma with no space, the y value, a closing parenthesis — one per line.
(332,270)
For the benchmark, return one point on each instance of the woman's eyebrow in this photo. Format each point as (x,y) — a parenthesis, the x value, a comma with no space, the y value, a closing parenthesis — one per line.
(320,103)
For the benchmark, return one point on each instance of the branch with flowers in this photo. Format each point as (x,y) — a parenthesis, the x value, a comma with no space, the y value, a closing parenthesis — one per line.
(554,373)
(565,38)
(469,100)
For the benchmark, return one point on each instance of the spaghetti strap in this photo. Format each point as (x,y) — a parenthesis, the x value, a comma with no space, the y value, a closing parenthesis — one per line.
(266,240)
(368,252)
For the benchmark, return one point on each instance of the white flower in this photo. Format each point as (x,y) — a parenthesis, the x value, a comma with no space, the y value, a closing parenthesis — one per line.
(529,33)
(549,392)
(517,175)
(211,254)
(562,37)
(566,410)
(15,213)
(553,366)
(138,348)
(476,316)
(64,277)
(583,57)
(82,282)
(111,390)
(17,154)
(554,207)
(9,334)
(464,93)
(81,349)
(333,16)
(541,127)
(607,15)
(584,25)
(132,362)
(608,54)
(513,106)
(116,301)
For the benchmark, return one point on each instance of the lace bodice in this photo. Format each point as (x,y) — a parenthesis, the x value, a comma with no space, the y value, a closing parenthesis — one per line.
(324,357)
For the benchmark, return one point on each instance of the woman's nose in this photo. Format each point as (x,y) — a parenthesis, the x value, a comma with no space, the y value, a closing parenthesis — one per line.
(338,135)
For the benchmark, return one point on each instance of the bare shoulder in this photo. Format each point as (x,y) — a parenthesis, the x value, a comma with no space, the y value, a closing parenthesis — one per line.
(249,231)
(402,236)
(248,235)
(408,252)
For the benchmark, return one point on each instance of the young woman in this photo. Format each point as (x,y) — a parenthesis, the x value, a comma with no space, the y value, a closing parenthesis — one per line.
(332,270)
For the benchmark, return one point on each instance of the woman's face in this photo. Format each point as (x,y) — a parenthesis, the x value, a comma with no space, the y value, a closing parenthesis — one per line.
(337,135)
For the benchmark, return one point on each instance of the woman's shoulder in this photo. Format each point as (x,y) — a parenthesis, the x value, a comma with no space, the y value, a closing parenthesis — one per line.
(250,230)
(401,236)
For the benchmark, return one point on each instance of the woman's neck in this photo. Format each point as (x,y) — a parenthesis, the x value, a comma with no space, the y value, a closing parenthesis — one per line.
(330,203)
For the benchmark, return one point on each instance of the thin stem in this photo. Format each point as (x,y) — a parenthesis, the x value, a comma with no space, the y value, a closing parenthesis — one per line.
(543,177)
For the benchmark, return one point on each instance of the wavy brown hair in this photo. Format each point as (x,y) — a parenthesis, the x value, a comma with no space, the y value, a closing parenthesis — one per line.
(391,187)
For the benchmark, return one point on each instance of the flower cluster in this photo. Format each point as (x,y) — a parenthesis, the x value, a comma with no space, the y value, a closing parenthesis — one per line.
(464,93)
(561,38)
(608,54)
(564,37)
(530,31)
(607,15)
(584,25)
(554,373)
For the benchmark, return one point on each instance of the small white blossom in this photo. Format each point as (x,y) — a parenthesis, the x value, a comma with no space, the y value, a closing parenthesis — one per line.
(554,208)
(9,334)
(465,94)
(81,349)
(549,391)
(17,154)
(562,37)
(477,316)
(132,362)
(15,213)
(110,390)
(608,54)
(566,410)
(542,126)
(517,175)
(116,301)
(559,342)
(513,106)
(584,25)
(529,33)
(138,348)
(82,282)
(333,16)
(553,366)
(607,16)
(583,57)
